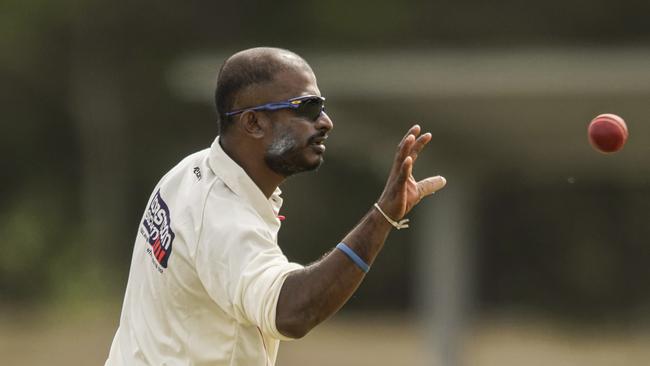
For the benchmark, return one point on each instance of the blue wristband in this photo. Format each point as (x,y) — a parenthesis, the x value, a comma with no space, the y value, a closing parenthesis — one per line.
(355,258)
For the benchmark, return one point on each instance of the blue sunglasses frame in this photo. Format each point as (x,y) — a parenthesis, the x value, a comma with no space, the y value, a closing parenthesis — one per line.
(293,103)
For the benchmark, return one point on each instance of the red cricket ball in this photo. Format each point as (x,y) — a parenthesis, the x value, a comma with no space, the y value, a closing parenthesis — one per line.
(607,133)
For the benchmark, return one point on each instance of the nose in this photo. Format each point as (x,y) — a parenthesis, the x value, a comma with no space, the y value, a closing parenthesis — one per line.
(324,122)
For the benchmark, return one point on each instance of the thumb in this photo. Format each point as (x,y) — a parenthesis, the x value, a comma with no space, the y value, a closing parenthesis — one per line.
(430,185)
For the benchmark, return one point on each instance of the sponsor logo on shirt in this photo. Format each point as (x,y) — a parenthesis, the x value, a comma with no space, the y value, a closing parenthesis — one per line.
(156,228)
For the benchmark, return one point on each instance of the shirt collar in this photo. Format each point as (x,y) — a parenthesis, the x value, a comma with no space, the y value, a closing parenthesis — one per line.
(235,177)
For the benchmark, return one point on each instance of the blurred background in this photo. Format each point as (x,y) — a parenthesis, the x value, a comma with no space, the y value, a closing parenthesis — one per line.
(536,253)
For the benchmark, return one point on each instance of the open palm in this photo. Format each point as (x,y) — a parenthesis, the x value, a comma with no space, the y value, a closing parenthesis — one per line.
(402,192)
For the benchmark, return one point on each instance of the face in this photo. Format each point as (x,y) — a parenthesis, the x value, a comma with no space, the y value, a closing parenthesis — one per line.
(295,143)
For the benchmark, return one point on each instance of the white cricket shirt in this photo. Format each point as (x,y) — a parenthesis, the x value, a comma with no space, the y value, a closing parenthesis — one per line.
(206,271)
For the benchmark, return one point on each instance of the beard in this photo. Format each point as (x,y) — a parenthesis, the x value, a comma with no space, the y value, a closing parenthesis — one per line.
(286,156)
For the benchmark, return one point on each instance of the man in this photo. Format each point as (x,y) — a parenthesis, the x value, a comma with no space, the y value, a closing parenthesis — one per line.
(208,283)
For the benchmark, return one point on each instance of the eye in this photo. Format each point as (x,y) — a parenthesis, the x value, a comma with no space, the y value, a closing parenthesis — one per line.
(310,108)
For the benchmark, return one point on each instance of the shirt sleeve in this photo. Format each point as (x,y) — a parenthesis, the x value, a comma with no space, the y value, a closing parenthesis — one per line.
(242,267)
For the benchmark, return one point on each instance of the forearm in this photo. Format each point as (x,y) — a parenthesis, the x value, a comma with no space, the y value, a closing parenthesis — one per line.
(311,295)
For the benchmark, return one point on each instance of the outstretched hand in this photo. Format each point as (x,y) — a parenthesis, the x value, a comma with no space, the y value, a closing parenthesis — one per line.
(402,192)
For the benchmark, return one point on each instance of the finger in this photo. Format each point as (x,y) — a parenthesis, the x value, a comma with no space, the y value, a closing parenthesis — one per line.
(406,171)
(419,144)
(402,153)
(405,149)
(430,185)
(414,130)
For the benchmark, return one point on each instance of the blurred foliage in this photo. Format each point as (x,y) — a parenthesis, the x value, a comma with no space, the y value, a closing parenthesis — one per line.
(57,57)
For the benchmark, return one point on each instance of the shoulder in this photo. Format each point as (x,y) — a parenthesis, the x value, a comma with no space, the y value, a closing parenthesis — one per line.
(189,166)
(185,188)
(224,208)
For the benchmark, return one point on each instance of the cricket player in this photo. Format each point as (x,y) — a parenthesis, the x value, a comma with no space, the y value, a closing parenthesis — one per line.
(208,283)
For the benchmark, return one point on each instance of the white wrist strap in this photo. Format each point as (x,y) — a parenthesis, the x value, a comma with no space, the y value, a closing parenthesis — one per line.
(402,224)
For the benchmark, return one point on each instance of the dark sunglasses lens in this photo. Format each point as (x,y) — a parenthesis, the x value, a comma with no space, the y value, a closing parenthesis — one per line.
(310,108)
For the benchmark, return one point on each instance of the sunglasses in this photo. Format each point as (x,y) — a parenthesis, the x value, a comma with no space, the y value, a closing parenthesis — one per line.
(308,106)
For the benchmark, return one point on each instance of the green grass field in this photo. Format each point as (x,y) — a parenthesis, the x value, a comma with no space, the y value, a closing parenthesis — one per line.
(84,338)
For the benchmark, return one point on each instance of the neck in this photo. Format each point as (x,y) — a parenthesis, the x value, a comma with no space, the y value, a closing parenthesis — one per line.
(252,161)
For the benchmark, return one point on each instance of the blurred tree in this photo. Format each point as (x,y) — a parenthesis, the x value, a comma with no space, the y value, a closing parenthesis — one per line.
(89,123)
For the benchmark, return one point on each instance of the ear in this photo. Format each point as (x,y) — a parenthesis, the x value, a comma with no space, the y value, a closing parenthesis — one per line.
(253,124)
